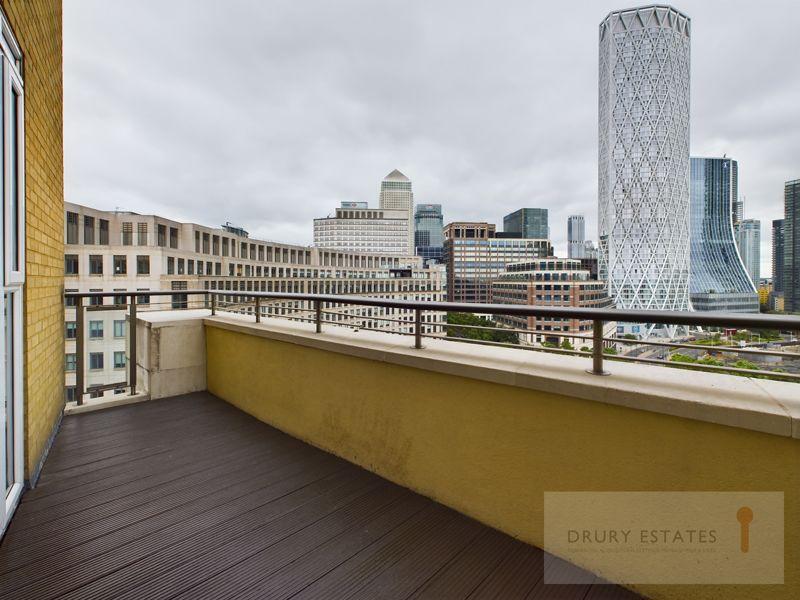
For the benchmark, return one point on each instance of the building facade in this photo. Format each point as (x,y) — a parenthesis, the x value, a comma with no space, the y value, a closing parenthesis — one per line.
(530,223)
(474,258)
(396,194)
(765,292)
(109,251)
(748,240)
(31,242)
(429,232)
(549,282)
(644,158)
(576,236)
(357,228)
(718,280)
(778,248)
(791,246)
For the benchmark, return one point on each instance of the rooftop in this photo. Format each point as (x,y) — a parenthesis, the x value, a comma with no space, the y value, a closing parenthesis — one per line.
(396,176)
(189,497)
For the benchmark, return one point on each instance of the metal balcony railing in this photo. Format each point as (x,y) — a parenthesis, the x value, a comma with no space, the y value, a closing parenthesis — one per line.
(332,309)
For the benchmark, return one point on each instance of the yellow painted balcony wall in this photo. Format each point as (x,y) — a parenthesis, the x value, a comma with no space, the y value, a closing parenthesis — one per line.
(491,450)
(37,25)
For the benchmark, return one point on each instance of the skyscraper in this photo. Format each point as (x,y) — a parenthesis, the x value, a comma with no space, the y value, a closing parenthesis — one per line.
(428,231)
(529,223)
(748,238)
(576,236)
(718,280)
(396,194)
(791,246)
(777,256)
(644,158)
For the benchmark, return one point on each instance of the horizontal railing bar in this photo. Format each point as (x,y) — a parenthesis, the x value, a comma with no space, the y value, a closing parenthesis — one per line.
(740,320)
(701,367)
(509,345)
(100,307)
(106,386)
(560,334)
(707,348)
(619,357)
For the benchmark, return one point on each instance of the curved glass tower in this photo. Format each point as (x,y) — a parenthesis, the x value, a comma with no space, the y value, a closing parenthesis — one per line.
(644,158)
(718,281)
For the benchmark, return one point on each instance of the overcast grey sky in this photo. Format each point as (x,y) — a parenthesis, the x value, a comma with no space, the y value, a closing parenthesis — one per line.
(268,113)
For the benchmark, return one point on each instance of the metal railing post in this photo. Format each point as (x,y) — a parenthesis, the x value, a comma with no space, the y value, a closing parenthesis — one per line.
(132,341)
(79,351)
(417,328)
(213,304)
(258,309)
(318,315)
(597,349)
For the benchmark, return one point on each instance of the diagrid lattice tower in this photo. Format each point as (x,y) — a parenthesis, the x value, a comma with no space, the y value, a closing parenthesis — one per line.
(644,158)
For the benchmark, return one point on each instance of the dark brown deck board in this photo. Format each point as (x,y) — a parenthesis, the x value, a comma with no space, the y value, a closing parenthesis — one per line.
(191,499)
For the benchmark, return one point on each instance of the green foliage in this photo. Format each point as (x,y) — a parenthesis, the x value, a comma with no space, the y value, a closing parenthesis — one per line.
(630,336)
(744,364)
(682,358)
(566,345)
(710,360)
(610,350)
(505,337)
(549,345)
(585,349)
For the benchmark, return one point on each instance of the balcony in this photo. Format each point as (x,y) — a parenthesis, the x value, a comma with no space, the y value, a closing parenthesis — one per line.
(287,457)
(189,497)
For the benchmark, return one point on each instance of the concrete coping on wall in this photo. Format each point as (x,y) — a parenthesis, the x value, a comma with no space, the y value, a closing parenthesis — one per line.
(761,405)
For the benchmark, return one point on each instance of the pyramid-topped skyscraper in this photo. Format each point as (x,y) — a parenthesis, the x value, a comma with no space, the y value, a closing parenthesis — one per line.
(396,194)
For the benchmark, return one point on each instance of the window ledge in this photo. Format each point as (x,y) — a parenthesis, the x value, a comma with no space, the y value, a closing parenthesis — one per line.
(760,405)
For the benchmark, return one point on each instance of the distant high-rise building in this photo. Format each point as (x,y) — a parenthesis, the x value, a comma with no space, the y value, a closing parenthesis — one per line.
(738,208)
(791,246)
(528,223)
(644,157)
(474,257)
(396,194)
(777,256)
(718,280)
(356,228)
(429,231)
(748,239)
(576,236)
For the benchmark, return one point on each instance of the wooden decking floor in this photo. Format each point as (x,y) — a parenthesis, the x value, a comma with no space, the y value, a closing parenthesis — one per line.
(189,498)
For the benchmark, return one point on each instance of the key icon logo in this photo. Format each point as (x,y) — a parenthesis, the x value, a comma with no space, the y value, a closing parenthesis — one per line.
(745,516)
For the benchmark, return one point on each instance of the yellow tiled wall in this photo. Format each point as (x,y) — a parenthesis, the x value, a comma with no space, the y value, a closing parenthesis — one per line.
(37,26)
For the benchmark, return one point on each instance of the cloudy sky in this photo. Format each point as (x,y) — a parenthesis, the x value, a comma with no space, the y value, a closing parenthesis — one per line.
(268,113)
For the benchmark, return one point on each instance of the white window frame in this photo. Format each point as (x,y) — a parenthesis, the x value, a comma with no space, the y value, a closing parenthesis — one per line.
(12,82)
(12,279)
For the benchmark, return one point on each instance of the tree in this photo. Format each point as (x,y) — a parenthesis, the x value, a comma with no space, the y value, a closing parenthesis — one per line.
(487,335)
